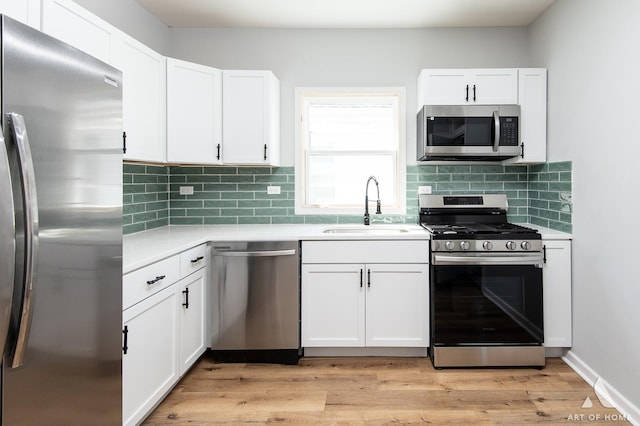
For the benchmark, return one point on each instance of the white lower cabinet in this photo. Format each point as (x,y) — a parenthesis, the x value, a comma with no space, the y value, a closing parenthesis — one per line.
(364,304)
(164,321)
(149,360)
(333,305)
(191,293)
(397,297)
(556,276)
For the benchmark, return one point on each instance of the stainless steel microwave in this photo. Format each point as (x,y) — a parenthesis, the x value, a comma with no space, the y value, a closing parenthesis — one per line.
(468,132)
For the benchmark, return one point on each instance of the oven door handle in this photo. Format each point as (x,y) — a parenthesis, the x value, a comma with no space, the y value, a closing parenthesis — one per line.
(448,259)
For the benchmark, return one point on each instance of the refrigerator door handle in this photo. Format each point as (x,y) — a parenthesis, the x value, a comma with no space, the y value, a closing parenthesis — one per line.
(7,242)
(30,200)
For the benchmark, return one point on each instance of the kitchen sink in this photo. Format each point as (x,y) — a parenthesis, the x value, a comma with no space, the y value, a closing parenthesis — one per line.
(364,229)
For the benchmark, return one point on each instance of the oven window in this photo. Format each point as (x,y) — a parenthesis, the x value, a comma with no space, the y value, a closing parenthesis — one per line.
(489,305)
(458,131)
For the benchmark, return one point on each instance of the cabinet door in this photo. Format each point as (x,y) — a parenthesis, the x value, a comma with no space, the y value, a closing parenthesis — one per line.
(143,99)
(68,22)
(467,86)
(443,87)
(194,113)
(191,294)
(532,97)
(333,310)
(251,117)
(149,364)
(25,11)
(397,305)
(494,86)
(556,278)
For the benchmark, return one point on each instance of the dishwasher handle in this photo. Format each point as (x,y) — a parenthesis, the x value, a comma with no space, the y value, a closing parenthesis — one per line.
(256,253)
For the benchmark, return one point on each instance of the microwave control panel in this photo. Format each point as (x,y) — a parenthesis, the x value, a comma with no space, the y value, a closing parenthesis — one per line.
(509,131)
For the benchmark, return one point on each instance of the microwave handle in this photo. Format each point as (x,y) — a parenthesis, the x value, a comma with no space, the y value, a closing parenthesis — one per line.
(496,130)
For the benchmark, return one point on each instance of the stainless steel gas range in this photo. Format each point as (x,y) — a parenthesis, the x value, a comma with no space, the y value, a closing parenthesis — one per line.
(485,283)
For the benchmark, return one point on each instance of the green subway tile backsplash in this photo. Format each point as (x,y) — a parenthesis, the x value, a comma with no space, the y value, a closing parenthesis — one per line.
(550,195)
(145,197)
(232,195)
(538,194)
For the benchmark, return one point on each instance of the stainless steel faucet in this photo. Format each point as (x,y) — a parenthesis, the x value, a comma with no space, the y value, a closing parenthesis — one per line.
(366,200)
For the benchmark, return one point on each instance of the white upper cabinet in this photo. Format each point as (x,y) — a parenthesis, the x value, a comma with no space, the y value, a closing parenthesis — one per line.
(143,73)
(526,87)
(467,86)
(251,117)
(25,11)
(532,97)
(194,113)
(143,99)
(68,22)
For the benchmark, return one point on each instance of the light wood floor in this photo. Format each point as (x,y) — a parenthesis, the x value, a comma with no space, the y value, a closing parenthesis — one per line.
(378,391)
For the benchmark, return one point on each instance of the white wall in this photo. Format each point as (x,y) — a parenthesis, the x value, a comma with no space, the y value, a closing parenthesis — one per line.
(590,50)
(349,58)
(133,19)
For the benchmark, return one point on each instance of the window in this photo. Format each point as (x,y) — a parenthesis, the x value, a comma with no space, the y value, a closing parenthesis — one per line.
(343,136)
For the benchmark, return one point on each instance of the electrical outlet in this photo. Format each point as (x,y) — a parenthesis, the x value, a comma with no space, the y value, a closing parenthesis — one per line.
(273,190)
(424,189)
(186,190)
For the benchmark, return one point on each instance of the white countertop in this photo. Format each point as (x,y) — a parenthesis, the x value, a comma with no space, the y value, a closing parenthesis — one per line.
(143,248)
(549,234)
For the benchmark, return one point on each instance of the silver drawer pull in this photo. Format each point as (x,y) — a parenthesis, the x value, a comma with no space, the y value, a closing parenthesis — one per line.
(158,278)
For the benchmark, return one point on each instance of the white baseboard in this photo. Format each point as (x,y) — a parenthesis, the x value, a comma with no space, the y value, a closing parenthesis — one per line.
(619,402)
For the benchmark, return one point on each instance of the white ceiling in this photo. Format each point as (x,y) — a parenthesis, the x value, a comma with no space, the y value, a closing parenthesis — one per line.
(345,13)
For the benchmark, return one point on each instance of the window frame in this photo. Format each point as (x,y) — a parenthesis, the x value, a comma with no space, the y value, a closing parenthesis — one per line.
(301,169)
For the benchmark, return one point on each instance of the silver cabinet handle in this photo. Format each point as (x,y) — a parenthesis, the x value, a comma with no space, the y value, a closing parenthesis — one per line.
(7,242)
(30,200)
(258,253)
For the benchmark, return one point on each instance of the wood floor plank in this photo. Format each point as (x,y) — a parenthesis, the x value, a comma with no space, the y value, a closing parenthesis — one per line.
(376,390)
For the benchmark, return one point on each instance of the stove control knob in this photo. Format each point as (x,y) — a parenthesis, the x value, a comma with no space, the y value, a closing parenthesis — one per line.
(511,245)
(487,245)
(464,245)
(526,245)
(449,245)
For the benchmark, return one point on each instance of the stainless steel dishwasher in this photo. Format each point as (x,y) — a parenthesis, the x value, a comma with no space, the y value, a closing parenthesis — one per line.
(255,302)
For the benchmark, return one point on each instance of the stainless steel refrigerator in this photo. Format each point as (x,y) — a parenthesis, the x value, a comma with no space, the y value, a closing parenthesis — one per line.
(60,233)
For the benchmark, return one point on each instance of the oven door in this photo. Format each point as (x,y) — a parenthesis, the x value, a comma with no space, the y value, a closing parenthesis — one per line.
(486,300)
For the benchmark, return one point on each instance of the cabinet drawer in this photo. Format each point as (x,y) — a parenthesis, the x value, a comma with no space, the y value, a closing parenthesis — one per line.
(140,284)
(369,251)
(193,260)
